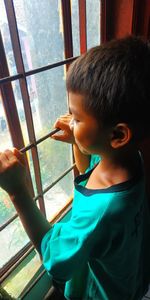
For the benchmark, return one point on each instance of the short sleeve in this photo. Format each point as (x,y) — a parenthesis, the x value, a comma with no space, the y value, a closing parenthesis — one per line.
(67,246)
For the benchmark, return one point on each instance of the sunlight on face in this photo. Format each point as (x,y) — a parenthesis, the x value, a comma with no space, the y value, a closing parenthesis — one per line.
(87,132)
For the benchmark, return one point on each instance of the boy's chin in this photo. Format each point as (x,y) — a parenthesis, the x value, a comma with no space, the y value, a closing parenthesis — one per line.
(84,151)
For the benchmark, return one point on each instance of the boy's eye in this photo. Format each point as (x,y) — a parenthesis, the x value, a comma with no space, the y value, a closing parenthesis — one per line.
(73,122)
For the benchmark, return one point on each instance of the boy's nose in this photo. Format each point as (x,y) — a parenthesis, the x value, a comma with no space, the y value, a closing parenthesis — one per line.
(71,124)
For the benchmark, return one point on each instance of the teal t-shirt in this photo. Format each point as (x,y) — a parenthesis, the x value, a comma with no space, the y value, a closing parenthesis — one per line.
(99,252)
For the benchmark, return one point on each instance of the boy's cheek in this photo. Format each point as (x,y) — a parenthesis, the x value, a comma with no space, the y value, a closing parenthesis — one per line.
(83,144)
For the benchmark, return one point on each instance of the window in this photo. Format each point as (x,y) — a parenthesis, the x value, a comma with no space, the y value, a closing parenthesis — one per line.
(38,40)
(93,23)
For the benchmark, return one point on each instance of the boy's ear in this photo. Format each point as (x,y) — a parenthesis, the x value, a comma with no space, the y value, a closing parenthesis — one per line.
(121,135)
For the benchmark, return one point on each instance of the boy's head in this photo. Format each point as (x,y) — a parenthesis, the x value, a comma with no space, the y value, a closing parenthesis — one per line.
(114,80)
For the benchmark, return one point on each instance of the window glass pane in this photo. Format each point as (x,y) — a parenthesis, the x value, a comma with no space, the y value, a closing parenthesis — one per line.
(12,239)
(58,196)
(48,99)
(6,39)
(5,138)
(55,158)
(15,283)
(20,109)
(30,162)
(6,208)
(40,31)
(75,27)
(93,22)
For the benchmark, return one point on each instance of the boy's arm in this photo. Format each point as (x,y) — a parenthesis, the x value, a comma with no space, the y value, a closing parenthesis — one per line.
(82,161)
(13,180)
(34,222)
(66,135)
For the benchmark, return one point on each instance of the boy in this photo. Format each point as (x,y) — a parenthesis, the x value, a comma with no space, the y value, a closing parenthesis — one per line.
(102,252)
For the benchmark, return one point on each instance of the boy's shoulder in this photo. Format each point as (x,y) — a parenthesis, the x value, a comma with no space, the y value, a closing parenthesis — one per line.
(117,198)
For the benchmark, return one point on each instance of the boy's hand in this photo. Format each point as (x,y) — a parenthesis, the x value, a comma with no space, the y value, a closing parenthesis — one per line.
(66,135)
(12,171)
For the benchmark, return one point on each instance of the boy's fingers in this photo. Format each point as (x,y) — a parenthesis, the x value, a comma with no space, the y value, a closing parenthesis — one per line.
(9,155)
(62,122)
(65,117)
(19,155)
(7,159)
(4,162)
(58,137)
(3,157)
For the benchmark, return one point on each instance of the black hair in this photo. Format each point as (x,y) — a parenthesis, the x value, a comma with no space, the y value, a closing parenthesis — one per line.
(114,79)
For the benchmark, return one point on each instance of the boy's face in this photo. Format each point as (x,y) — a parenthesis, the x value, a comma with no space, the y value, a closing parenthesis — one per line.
(89,135)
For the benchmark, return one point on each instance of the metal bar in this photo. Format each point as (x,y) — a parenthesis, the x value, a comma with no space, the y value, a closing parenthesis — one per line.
(58,179)
(8,222)
(10,78)
(25,95)
(82,26)
(39,140)
(37,70)
(54,182)
(51,66)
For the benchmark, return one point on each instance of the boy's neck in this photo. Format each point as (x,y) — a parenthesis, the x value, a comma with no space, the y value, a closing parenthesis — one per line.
(116,168)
